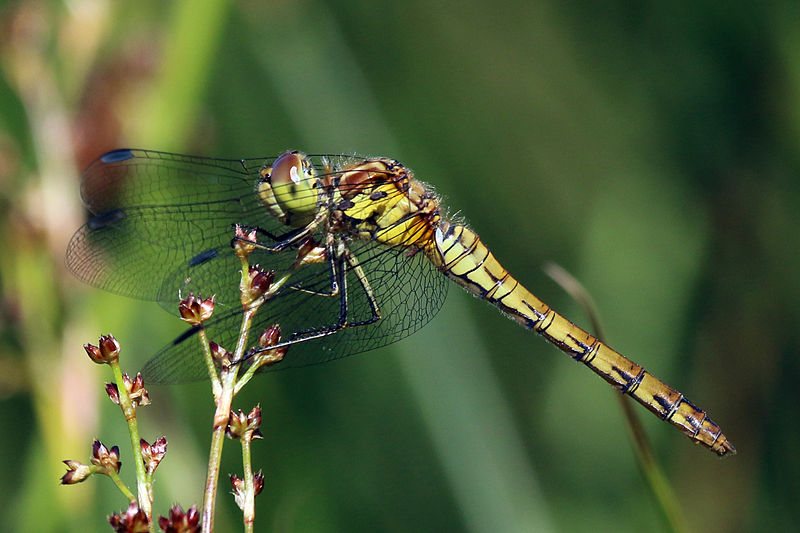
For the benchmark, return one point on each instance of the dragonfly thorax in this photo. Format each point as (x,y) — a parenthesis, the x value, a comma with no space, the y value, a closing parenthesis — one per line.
(381,200)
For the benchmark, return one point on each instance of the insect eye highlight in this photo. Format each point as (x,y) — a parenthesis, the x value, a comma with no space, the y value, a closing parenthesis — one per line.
(291,168)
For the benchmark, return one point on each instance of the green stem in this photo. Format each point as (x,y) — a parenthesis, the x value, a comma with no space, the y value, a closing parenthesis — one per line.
(216,386)
(262,359)
(659,485)
(228,388)
(121,486)
(249,507)
(129,410)
(221,415)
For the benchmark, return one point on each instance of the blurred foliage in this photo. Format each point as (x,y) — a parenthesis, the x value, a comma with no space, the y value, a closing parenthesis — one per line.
(650,148)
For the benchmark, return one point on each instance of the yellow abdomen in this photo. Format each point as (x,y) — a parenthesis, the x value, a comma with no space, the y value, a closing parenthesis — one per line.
(461,256)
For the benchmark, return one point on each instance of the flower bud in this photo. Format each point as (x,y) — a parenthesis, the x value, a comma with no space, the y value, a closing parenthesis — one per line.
(310,252)
(113,392)
(244,426)
(238,490)
(258,482)
(220,354)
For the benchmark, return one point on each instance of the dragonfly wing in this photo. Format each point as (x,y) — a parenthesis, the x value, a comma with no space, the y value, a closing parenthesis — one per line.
(407,288)
(129,251)
(157,212)
(409,291)
(144,177)
(163,224)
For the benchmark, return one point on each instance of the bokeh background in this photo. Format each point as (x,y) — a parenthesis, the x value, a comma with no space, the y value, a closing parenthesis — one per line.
(650,148)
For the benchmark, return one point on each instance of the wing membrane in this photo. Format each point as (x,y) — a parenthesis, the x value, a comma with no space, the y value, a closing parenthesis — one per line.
(163,224)
(408,290)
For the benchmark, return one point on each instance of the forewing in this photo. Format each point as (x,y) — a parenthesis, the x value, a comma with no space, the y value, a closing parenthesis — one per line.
(155,212)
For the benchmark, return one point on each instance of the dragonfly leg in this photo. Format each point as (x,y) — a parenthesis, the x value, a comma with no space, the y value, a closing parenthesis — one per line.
(364,282)
(339,269)
(334,288)
(317,333)
(290,238)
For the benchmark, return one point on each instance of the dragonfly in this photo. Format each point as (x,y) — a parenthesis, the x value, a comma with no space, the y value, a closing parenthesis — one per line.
(162,225)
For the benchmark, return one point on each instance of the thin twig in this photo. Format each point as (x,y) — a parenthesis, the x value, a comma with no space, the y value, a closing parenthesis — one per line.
(656,479)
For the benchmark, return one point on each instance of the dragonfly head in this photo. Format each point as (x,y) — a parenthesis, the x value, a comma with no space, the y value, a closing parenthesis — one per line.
(288,188)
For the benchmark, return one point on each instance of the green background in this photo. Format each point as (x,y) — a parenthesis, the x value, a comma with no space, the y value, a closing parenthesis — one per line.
(650,148)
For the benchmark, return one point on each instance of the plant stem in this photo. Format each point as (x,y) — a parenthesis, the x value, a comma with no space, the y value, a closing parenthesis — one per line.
(262,359)
(249,506)
(129,410)
(659,485)
(221,416)
(216,386)
(121,486)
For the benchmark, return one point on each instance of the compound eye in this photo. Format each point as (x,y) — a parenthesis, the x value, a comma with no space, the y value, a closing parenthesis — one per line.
(291,168)
(290,192)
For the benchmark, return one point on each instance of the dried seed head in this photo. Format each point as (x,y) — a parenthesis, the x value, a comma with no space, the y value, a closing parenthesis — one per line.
(260,280)
(106,460)
(133,520)
(152,454)
(107,352)
(180,521)
(258,482)
(76,472)
(194,310)
(244,241)
(270,336)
